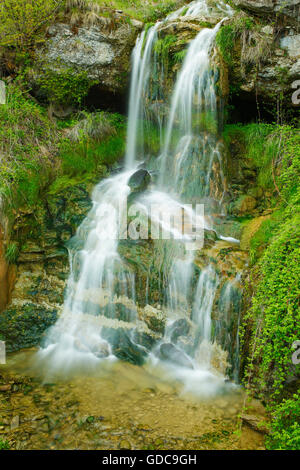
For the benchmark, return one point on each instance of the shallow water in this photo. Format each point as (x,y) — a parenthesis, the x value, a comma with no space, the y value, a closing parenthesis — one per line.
(120,406)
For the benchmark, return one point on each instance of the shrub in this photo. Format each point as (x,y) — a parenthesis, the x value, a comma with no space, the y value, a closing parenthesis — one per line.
(28,142)
(22,21)
(285,428)
(273,318)
(4,445)
(65,86)
(12,253)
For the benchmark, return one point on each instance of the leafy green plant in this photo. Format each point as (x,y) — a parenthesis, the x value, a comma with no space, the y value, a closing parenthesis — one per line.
(225,40)
(12,252)
(4,445)
(22,21)
(65,86)
(28,141)
(285,428)
(273,317)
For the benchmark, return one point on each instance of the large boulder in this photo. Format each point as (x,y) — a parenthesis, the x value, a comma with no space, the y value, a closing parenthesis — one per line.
(286,8)
(180,327)
(123,347)
(155,319)
(24,327)
(101,52)
(139,181)
(169,352)
(266,71)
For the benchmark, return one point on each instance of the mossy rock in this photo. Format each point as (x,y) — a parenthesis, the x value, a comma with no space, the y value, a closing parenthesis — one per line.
(23,327)
(122,346)
(244,205)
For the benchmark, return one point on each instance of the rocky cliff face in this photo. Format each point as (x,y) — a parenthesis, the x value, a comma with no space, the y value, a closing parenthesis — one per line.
(102,51)
(32,291)
(288,9)
(266,61)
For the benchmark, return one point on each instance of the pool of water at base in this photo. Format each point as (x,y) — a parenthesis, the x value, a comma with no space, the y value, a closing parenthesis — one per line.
(120,406)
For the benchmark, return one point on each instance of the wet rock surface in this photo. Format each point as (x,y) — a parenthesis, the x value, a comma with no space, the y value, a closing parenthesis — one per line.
(25,328)
(123,347)
(169,352)
(42,267)
(179,328)
(139,181)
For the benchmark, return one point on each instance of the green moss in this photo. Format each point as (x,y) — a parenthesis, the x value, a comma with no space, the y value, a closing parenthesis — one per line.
(28,145)
(4,445)
(274,314)
(163,46)
(65,86)
(225,40)
(12,253)
(261,145)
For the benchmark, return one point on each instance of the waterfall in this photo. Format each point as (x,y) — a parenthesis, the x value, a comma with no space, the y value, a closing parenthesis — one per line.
(202,7)
(141,72)
(98,280)
(193,102)
(101,295)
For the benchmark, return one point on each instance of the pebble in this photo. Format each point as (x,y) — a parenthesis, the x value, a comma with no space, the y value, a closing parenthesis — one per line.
(125,445)
(15,422)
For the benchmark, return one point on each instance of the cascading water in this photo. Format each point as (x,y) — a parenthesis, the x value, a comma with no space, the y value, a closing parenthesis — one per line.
(141,72)
(201,7)
(98,279)
(101,300)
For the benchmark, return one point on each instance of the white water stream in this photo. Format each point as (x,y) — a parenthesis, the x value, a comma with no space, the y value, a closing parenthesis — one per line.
(101,282)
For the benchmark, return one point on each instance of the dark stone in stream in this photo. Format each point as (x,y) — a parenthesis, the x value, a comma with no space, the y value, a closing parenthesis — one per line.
(179,328)
(144,340)
(169,352)
(139,181)
(123,347)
